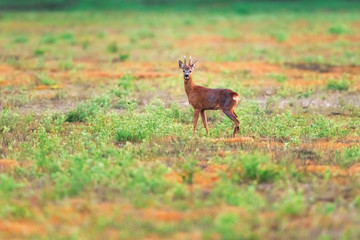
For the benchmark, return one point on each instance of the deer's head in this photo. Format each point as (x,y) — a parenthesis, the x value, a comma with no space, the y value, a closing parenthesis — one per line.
(187,69)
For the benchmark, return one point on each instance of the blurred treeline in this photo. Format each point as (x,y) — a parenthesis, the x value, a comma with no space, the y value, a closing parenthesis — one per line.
(241,6)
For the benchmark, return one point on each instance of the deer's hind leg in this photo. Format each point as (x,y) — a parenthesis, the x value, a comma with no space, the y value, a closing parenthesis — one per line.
(204,120)
(237,127)
(233,117)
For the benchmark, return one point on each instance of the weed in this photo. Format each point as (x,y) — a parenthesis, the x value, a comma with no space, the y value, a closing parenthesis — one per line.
(229,226)
(340,85)
(124,57)
(66,36)
(8,185)
(278,77)
(144,34)
(49,39)
(14,211)
(280,36)
(20,40)
(87,109)
(39,52)
(112,47)
(255,167)
(85,44)
(338,29)
(67,65)
(292,203)
(45,80)
(188,169)
(154,122)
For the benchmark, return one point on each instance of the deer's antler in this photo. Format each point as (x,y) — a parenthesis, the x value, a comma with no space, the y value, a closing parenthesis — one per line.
(184,60)
(190,61)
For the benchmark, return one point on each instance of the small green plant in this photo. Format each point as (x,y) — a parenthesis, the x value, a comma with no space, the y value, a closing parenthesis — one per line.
(14,211)
(112,47)
(305,94)
(280,36)
(188,169)
(20,39)
(39,52)
(230,226)
(66,36)
(67,64)
(125,86)
(144,34)
(356,202)
(292,203)
(340,85)
(278,77)
(45,80)
(8,185)
(87,109)
(337,29)
(49,39)
(123,57)
(85,44)
(253,167)
(226,224)
(258,167)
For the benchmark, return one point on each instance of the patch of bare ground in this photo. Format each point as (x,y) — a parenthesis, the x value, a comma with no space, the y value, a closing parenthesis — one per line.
(49,106)
(335,170)
(20,228)
(8,164)
(325,68)
(270,143)
(332,103)
(204,179)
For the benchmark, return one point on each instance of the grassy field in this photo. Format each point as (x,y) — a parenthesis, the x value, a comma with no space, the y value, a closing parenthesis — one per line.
(96,130)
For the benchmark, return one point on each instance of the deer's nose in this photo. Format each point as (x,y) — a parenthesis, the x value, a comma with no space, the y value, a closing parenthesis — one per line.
(186,75)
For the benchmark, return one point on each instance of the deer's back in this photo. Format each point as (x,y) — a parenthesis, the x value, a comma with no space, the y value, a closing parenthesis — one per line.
(211,98)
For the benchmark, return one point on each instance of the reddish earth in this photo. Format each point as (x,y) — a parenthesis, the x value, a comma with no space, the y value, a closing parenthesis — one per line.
(205,179)
(7,164)
(335,170)
(162,215)
(21,228)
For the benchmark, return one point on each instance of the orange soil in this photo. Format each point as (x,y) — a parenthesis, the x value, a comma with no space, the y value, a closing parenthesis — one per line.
(7,164)
(335,170)
(162,215)
(21,228)
(204,179)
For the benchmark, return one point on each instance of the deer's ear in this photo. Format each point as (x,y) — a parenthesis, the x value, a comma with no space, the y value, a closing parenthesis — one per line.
(181,65)
(194,64)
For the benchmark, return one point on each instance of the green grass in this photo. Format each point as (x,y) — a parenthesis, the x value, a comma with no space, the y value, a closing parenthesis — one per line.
(107,151)
(340,85)
(46,80)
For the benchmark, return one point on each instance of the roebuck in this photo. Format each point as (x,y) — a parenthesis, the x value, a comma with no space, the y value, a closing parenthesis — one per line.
(202,98)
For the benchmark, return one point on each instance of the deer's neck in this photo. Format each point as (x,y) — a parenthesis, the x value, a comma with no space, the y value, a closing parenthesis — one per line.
(189,85)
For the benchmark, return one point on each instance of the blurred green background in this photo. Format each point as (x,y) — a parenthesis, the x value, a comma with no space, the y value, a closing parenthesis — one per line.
(242,7)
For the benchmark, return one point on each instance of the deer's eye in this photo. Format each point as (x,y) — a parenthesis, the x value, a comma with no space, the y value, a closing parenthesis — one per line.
(189,71)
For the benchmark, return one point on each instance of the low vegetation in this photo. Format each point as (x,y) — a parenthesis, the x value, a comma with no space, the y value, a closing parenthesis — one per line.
(96,131)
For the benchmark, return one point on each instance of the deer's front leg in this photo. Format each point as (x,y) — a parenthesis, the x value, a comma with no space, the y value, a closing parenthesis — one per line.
(196,118)
(204,120)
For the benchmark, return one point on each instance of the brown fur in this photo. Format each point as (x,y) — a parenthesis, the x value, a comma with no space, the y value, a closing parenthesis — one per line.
(202,98)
